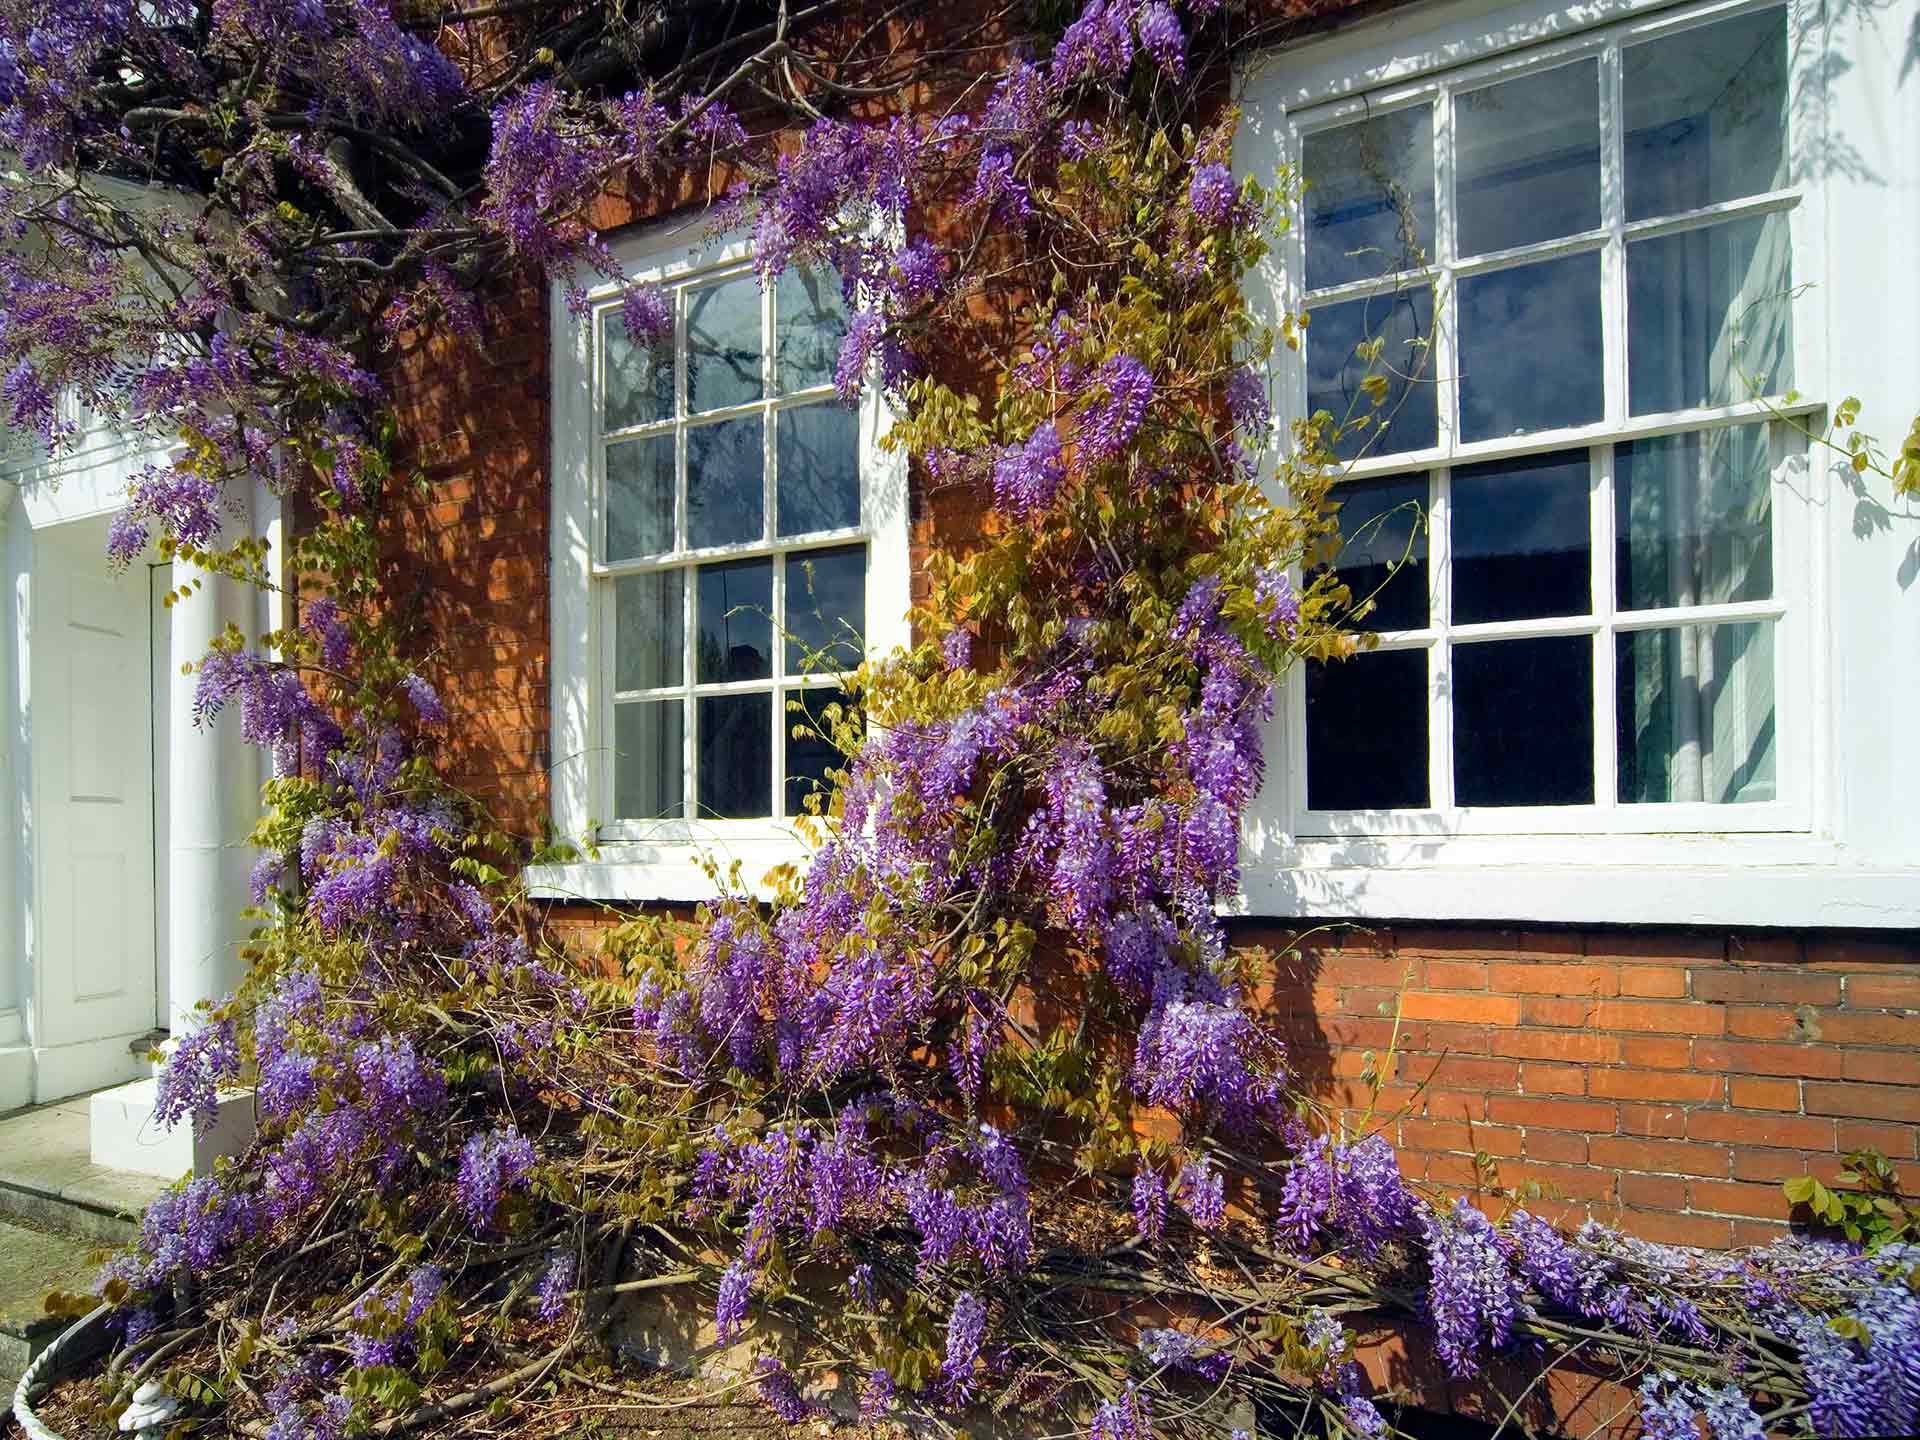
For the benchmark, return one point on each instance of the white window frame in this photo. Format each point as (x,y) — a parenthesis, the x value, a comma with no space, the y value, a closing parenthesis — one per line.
(1780,862)
(669,859)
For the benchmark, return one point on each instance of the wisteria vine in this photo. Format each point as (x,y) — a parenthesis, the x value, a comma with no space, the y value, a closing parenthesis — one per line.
(979,1111)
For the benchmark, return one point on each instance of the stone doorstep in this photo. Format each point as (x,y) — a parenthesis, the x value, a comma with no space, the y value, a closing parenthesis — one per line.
(33,1261)
(48,1178)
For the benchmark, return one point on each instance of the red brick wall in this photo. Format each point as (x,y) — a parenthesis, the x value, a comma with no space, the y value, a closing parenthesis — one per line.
(1665,1080)
(465,553)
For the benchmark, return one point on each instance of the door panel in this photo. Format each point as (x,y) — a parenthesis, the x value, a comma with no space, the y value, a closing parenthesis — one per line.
(91,717)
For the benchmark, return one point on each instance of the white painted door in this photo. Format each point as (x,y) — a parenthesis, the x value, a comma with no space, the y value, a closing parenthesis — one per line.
(91,718)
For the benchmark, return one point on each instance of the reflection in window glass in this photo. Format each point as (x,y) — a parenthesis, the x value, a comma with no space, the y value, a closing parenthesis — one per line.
(726,477)
(1369,197)
(1406,418)
(723,344)
(809,323)
(1696,714)
(1522,538)
(1523,721)
(1693,519)
(649,764)
(647,637)
(811,753)
(1530,348)
(638,379)
(639,497)
(735,640)
(1367,732)
(1706,115)
(1383,550)
(826,610)
(1710,316)
(819,468)
(1528,161)
(735,756)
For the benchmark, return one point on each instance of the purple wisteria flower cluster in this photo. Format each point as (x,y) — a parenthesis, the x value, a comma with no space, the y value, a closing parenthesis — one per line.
(997,1008)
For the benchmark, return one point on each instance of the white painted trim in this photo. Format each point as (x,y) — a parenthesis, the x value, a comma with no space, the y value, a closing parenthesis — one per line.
(661,860)
(63,1070)
(1794,896)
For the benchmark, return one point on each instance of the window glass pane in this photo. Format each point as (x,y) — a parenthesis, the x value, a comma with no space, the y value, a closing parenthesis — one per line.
(1369,197)
(1694,519)
(723,344)
(1530,348)
(639,497)
(1529,159)
(1367,732)
(1522,539)
(736,622)
(1523,721)
(1335,371)
(819,468)
(736,756)
(726,479)
(647,633)
(811,753)
(648,764)
(1696,714)
(1710,315)
(1383,524)
(826,610)
(638,379)
(809,321)
(1706,115)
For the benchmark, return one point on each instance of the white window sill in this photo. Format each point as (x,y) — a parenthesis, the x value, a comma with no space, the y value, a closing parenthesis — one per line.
(668,871)
(1784,881)
(1761,881)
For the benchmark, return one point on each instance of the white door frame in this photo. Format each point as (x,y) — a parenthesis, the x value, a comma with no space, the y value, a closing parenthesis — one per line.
(201,860)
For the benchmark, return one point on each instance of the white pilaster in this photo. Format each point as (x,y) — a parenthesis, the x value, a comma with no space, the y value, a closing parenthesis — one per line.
(16,1058)
(213,783)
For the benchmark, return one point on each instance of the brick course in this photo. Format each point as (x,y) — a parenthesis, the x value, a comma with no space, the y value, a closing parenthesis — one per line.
(1664,1081)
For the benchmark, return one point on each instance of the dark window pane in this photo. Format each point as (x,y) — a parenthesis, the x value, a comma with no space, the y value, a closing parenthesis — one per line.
(826,609)
(1530,348)
(811,753)
(1522,543)
(1383,525)
(810,320)
(1710,316)
(736,757)
(1523,722)
(1693,519)
(726,480)
(649,764)
(647,641)
(819,468)
(1367,732)
(638,379)
(639,497)
(1336,371)
(736,621)
(723,344)
(1706,115)
(1529,158)
(1696,714)
(1369,197)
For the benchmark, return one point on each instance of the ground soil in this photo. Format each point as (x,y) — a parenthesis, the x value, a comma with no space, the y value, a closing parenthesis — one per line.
(662,1407)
